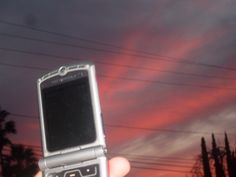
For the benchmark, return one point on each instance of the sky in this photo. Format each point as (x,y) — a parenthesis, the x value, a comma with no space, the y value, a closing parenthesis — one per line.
(165,69)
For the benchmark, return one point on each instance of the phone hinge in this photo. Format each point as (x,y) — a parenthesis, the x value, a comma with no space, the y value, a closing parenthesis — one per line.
(71,157)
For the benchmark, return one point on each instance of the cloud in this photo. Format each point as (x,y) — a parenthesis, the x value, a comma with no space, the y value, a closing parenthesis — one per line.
(179,107)
(180,145)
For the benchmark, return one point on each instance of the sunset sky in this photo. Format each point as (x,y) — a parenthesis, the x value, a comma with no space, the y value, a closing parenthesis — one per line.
(166,72)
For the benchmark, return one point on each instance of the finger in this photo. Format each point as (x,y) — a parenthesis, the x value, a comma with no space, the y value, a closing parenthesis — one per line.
(39,174)
(118,167)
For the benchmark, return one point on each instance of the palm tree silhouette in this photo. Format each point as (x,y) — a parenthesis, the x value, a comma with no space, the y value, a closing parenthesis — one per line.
(6,128)
(21,163)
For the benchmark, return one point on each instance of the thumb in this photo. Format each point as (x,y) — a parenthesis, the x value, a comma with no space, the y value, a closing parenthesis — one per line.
(118,167)
(39,174)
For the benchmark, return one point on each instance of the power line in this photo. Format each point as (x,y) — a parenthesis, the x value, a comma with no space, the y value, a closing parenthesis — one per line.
(168,58)
(161,160)
(161,164)
(111,77)
(24,66)
(135,128)
(81,39)
(38,153)
(169,71)
(169,83)
(41,54)
(144,165)
(68,36)
(37,148)
(167,160)
(155,129)
(24,116)
(134,163)
(148,157)
(159,169)
(166,130)
(69,44)
(112,64)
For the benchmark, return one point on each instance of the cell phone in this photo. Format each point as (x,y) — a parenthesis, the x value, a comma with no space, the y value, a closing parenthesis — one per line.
(73,140)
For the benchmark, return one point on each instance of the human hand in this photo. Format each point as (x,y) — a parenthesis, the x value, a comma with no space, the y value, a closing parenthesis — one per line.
(118,167)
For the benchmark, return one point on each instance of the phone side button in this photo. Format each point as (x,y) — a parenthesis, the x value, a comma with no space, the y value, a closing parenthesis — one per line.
(74,173)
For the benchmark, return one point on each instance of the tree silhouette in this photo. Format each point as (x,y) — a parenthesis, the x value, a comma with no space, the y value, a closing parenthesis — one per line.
(205,159)
(221,162)
(6,128)
(197,168)
(15,160)
(229,158)
(217,159)
(234,160)
(21,163)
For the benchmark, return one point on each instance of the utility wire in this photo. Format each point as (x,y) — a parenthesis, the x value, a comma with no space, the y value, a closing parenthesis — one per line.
(121,78)
(160,164)
(24,66)
(112,64)
(69,44)
(38,152)
(169,83)
(161,160)
(156,130)
(164,58)
(144,165)
(148,157)
(159,169)
(165,130)
(70,36)
(134,128)
(172,169)
(38,148)
(24,116)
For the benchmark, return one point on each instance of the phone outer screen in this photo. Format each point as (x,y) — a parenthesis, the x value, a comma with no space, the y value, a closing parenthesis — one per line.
(68,114)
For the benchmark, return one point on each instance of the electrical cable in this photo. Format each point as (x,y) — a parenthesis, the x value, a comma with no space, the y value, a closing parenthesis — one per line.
(121,78)
(169,59)
(133,127)
(112,64)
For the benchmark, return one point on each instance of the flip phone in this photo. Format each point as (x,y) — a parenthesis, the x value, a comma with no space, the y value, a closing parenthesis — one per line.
(73,140)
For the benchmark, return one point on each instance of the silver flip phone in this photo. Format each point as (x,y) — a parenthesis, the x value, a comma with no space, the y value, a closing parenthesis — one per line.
(72,132)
